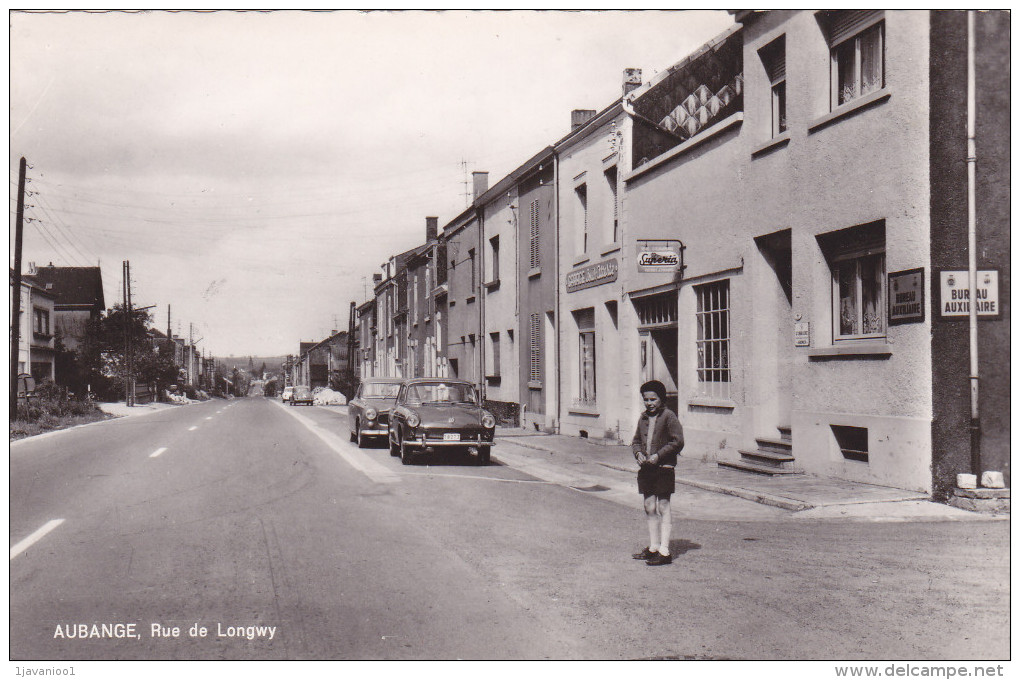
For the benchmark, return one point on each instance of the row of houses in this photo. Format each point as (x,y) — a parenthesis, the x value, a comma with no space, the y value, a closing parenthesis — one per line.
(776,227)
(57,304)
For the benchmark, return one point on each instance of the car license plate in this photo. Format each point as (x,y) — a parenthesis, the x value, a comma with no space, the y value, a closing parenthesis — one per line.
(451,436)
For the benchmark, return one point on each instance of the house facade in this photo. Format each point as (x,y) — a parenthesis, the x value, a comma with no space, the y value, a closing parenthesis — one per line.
(78,298)
(36,349)
(537,294)
(462,235)
(594,366)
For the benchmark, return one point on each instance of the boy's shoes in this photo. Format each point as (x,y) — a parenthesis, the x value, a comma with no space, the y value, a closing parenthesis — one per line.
(658,560)
(645,554)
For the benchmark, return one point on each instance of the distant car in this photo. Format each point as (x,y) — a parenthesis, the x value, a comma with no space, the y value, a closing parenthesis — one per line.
(433,414)
(288,392)
(368,412)
(301,395)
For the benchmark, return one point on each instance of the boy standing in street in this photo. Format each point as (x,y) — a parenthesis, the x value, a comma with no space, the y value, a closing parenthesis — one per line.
(658,440)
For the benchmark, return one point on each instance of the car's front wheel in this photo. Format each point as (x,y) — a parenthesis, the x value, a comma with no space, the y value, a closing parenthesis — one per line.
(394,448)
(405,452)
(362,442)
(484,455)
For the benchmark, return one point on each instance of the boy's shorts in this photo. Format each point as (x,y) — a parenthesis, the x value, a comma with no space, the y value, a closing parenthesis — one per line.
(656,481)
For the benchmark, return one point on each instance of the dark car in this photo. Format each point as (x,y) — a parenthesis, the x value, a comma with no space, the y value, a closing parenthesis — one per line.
(433,414)
(368,412)
(301,395)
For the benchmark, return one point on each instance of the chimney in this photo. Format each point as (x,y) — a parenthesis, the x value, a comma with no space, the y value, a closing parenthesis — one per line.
(431,229)
(376,278)
(481,180)
(578,117)
(631,80)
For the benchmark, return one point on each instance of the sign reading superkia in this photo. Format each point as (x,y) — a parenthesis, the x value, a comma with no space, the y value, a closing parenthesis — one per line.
(954,293)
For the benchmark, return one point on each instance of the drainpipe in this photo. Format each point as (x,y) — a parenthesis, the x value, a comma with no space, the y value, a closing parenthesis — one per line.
(975,420)
(556,304)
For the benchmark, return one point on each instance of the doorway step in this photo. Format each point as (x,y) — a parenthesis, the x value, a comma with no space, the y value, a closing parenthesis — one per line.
(773,456)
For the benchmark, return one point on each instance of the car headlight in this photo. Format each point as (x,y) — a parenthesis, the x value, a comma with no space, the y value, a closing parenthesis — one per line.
(488,422)
(413,420)
(371,413)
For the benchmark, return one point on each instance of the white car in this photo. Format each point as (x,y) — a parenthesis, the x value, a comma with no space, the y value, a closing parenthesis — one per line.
(288,392)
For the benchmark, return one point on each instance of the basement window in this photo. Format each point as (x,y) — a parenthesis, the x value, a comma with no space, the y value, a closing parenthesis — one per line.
(852,441)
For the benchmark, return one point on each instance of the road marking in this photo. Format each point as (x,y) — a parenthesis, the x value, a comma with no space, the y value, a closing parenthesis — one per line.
(157,452)
(24,544)
(209,418)
(355,458)
(192,428)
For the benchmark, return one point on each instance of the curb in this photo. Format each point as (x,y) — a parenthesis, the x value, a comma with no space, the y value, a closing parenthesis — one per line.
(757,497)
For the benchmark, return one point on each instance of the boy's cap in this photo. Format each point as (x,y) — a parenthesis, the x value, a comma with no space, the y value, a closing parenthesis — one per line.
(655,386)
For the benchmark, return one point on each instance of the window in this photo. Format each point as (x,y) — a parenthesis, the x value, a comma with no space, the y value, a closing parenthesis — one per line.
(41,321)
(857,44)
(586,356)
(536,258)
(474,281)
(535,372)
(414,299)
(713,340)
(494,342)
(773,58)
(494,257)
(856,258)
(611,181)
(852,441)
(582,217)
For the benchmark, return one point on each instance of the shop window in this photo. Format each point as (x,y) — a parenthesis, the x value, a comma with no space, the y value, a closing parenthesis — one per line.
(773,58)
(713,339)
(585,319)
(857,54)
(856,258)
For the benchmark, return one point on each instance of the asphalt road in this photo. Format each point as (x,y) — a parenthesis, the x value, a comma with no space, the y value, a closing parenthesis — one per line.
(255,522)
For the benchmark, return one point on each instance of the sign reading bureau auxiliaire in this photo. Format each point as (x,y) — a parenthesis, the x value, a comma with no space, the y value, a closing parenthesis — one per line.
(593,275)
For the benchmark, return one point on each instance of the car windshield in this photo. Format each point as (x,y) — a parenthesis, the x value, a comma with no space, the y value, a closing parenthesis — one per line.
(441,393)
(381,390)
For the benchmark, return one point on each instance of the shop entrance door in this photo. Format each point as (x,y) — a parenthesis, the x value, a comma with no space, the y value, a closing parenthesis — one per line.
(657,334)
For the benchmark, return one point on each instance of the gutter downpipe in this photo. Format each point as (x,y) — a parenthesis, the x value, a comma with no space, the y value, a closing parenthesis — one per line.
(556,297)
(975,416)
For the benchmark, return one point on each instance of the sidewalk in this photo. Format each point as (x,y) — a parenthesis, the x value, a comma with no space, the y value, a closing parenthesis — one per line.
(120,409)
(809,495)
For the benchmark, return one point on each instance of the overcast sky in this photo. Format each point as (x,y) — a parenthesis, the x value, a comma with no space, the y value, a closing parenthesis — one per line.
(257,168)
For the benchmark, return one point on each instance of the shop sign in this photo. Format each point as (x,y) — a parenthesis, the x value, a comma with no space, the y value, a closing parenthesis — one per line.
(906,296)
(954,294)
(802,334)
(594,275)
(663,256)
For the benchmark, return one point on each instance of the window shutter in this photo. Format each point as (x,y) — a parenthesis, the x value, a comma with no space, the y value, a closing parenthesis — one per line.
(536,347)
(535,257)
(845,24)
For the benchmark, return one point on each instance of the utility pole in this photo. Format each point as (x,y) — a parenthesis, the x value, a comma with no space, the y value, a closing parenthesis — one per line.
(191,353)
(124,304)
(131,343)
(16,306)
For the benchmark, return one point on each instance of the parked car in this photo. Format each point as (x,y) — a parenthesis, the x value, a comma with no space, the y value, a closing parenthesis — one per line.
(288,392)
(301,395)
(368,412)
(433,414)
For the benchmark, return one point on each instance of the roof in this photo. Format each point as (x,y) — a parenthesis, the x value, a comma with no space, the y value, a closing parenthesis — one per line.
(515,176)
(73,286)
(29,282)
